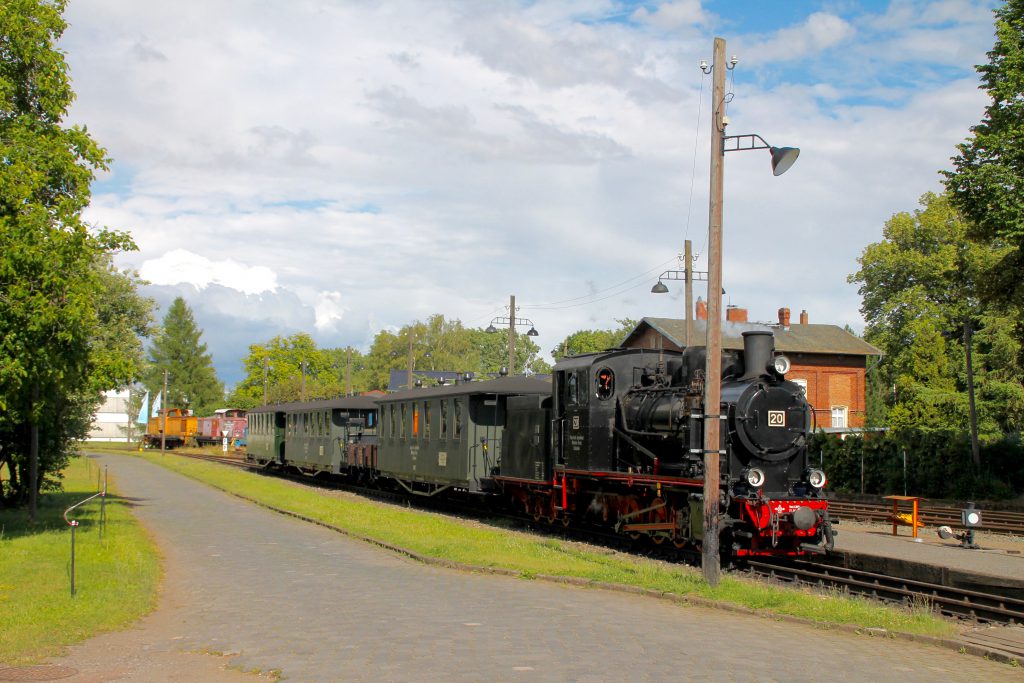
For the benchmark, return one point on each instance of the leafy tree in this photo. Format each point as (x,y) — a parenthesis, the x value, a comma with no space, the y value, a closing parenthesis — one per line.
(60,297)
(289,364)
(177,349)
(919,288)
(591,341)
(987,183)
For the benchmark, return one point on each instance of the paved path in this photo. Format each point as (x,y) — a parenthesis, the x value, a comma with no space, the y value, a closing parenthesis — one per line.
(318,606)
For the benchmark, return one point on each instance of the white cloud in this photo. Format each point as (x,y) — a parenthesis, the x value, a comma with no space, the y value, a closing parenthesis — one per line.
(342,168)
(329,310)
(180,266)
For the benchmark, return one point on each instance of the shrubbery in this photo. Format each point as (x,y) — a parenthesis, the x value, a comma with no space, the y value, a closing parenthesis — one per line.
(938,464)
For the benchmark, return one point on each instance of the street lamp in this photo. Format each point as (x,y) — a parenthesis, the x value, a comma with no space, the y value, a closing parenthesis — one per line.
(782,160)
(688,275)
(511,320)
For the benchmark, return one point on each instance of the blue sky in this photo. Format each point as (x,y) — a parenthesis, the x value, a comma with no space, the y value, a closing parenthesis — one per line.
(340,168)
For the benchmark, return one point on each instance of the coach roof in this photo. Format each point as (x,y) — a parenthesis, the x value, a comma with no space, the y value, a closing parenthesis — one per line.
(503,386)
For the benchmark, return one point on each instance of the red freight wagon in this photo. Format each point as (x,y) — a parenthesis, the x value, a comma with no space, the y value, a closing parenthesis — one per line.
(211,429)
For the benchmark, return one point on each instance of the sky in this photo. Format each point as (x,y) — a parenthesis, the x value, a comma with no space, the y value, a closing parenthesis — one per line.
(345,167)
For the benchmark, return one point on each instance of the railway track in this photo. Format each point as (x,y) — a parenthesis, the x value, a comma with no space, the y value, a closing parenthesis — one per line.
(996,521)
(952,602)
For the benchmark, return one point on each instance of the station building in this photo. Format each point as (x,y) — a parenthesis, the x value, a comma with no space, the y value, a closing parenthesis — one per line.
(827,361)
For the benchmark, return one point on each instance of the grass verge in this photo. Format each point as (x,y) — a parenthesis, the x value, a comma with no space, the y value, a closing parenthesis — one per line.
(455,540)
(115,576)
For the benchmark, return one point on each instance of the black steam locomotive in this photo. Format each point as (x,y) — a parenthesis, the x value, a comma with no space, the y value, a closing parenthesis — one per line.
(627,444)
(616,440)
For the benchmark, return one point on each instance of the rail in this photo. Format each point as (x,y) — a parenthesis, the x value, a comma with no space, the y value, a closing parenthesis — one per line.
(996,521)
(73,523)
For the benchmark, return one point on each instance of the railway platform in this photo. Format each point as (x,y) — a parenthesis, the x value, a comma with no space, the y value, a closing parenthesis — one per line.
(997,563)
(251,590)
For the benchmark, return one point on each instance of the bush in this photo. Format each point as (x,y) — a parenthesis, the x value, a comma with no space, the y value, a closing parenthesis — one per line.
(938,464)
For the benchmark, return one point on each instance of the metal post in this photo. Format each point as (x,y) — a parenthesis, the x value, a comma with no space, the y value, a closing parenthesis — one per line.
(968,343)
(905,472)
(103,502)
(163,417)
(33,464)
(511,335)
(710,562)
(74,525)
(688,271)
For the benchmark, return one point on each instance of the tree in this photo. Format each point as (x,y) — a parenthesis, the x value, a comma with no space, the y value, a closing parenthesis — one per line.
(55,277)
(987,183)
(288,364)
(919,289)
(591,341)
(178,350)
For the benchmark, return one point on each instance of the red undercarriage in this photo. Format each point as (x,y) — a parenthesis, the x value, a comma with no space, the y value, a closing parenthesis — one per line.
(659,507)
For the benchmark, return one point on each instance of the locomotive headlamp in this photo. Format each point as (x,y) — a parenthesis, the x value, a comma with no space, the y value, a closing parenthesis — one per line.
(781,364)
(816,478)
(755,477)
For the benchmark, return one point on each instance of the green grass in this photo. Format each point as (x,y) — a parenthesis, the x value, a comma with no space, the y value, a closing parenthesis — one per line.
(451,539)
(115,576)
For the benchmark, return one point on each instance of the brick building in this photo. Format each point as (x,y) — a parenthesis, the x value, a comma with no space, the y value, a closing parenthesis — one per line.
(829,362)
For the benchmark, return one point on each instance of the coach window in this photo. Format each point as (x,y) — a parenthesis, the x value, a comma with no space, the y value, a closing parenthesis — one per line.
(444,419)
(605,383)
(458,419)
(583,397)
(415,420)
(426,420)
(403,434)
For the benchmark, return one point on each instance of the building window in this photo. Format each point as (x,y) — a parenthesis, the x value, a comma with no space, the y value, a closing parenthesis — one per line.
(802,383)
(839,416)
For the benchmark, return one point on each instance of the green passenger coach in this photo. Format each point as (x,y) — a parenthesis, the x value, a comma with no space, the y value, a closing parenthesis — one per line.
(265,442)
(450,437)
(316,436)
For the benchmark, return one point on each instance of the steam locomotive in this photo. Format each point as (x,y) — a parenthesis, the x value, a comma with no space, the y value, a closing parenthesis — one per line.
(615,440)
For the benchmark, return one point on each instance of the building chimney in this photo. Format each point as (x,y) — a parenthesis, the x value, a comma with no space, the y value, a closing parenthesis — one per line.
(702,309)
(784,317)
(735,314)
(803,317)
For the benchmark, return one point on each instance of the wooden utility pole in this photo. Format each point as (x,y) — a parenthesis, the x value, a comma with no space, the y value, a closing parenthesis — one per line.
(710,561)
(302,365)
(266,370)
(511,335)
(408,375)
(348,373)
(688,274)
(163,417)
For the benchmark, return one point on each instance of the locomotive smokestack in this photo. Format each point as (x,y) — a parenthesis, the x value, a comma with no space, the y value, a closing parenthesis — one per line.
(758,349)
